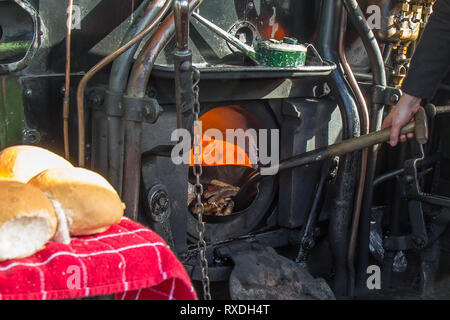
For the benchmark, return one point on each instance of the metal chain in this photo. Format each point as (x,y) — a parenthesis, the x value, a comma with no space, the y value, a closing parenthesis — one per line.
(198,187)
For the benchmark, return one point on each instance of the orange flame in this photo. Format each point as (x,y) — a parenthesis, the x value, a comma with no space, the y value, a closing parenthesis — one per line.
(217,151)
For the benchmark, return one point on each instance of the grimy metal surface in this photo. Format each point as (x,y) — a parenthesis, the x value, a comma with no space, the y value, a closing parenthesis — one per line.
(12,122)
(329,114)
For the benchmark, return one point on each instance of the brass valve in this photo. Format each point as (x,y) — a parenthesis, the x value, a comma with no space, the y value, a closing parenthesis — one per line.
(406,20)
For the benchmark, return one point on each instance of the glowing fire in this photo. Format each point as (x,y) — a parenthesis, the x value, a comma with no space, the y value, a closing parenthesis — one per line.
(216,149)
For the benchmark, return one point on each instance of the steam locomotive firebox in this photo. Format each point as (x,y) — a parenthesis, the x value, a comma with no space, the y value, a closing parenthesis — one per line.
(291,105)
(186,106)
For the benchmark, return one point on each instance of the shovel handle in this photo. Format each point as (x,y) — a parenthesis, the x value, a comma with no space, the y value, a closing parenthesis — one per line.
(421,128)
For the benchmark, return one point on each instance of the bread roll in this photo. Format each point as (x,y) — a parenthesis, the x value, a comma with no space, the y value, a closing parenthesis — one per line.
(27,220)
(89,203)
(21,163)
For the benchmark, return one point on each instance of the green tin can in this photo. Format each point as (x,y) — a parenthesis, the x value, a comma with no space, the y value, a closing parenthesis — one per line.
(286,53)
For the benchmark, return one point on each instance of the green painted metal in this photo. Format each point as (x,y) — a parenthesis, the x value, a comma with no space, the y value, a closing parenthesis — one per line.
(286,53)
(13,49)
(12,118)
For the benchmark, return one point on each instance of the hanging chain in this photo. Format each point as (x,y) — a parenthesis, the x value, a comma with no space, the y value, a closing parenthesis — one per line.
(198,187)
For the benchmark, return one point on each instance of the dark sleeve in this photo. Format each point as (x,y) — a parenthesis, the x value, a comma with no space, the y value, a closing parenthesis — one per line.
(431,59)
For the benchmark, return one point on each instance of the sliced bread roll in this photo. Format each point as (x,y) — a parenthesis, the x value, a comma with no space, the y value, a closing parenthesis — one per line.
(27,220)
(89,203)
(21,163)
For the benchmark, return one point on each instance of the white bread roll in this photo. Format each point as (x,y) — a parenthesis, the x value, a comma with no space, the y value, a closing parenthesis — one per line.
(21,163)
(27,220)
(89,203)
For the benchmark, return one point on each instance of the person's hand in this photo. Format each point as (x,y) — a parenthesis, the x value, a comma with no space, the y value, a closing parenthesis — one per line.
(399,116)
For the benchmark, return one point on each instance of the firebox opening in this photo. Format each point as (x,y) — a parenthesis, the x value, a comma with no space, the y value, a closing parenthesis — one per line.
(229,153)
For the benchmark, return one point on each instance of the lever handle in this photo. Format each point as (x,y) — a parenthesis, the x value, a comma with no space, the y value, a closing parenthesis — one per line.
(181,14)
(421,127)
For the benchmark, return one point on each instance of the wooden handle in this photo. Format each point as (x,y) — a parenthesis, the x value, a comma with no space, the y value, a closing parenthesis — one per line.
(421,128)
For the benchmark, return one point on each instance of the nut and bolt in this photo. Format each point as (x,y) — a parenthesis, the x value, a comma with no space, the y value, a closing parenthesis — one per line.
(28,93)
(159,205)
(394,98)
(419,242)
(96,99)
(310,244)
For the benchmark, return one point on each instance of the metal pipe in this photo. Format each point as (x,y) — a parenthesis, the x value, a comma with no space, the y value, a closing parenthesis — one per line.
(364,115)
(442,110)
(103,115)
(368,38)
(120,69)
(98,67)
(342,148)
(184,95)
(376,114)
(142,68)
(137,85)
(345,181)
(66,100)
(5,122)
(241,46)
(387,51)
(181,20)
(307,240)
(117,84)
(392,174)
(394,212)
(364,77)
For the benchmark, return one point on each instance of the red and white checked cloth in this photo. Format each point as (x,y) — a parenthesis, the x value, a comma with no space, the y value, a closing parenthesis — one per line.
(128,260)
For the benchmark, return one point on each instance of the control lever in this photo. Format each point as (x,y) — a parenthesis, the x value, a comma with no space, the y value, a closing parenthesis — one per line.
(418,237)
(411,170)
